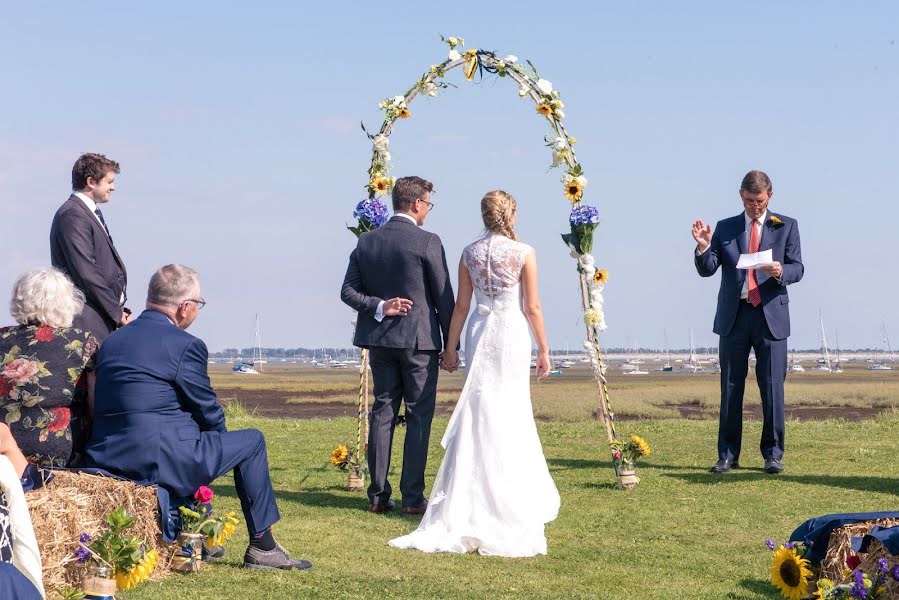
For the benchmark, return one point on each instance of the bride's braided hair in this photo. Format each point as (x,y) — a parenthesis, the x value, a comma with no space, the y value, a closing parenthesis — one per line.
(497,209)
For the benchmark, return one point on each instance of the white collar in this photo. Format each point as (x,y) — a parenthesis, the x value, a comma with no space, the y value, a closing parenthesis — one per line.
(405,216)
(762,219)
(88,201)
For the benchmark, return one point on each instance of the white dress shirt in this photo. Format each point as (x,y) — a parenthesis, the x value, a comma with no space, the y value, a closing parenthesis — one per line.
(379,313)
(744,293)
(89,202)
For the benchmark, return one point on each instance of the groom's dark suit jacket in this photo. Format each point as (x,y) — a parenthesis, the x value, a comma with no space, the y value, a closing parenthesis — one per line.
(80,248)
(400,259)
(728,242)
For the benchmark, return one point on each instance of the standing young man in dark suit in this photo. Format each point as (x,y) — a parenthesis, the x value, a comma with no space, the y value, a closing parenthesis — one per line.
(82,248)
(753,313)
(398,280)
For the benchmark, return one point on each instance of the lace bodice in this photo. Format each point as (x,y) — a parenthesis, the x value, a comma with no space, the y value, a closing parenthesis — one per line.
(494,263)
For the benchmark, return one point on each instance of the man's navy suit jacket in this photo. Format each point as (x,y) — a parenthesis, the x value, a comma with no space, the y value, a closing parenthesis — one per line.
(156,416)
(731,239)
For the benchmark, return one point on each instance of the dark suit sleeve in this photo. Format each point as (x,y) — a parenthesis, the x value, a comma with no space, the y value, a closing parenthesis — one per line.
(77,244)
(707,262)
(793,269)
(195,389)
(352,293)
(439,284)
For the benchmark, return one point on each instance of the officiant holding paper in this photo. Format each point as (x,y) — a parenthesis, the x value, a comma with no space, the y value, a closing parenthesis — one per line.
(753,313)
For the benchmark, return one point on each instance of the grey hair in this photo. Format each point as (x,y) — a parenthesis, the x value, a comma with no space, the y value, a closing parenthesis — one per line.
(45,296)
(172,284)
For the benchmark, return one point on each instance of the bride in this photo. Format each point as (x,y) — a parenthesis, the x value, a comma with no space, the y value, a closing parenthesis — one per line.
(493,492)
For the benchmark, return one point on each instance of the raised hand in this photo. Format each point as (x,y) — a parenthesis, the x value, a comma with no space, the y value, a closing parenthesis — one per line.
(702,233)
(397,307)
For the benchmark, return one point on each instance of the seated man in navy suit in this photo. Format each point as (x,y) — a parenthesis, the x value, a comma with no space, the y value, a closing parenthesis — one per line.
(157,420)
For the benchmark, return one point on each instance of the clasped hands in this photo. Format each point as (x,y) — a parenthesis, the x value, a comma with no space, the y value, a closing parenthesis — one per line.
(702,233)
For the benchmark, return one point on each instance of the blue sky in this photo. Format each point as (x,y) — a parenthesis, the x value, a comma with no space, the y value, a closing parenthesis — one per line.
(237,128)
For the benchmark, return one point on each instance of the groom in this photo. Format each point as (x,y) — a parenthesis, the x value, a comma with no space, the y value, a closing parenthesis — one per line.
(399,282)
(753,312)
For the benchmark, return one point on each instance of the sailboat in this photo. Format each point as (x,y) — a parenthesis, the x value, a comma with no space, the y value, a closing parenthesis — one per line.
(254,367)
(837,365)
(667,368)
(795,366)
(823,362)
(692,363)
(879,366)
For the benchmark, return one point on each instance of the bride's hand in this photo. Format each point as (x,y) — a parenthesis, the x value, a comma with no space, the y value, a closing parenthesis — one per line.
(449,360)
(543,366)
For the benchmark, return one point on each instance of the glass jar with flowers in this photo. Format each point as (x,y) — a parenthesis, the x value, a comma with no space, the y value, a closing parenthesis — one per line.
(114,559)
(625,453)
(199,525)
(352,461)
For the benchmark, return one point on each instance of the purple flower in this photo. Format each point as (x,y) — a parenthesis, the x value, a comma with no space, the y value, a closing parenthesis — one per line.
(372,212)
(858,589)
(583,215)
(84,538)
(82,554)
(895,572)
(770,543)
(789,545)
(883,566)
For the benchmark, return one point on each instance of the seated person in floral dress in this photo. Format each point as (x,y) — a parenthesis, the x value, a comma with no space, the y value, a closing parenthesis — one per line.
(45,392)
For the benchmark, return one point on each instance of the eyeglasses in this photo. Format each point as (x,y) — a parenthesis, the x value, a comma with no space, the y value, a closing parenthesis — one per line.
(200,302)
(430,204)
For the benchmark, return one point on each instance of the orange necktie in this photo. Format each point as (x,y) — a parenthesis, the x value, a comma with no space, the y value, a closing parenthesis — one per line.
(755,297)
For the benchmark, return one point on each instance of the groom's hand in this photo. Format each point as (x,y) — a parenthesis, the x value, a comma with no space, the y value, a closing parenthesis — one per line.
(397,307)
(449,360)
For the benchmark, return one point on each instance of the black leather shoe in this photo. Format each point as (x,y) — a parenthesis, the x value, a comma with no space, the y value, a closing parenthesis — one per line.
(724,465)
(773,466)
(382,508)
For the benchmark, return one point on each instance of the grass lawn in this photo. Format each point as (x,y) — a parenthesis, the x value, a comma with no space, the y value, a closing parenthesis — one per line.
(684,533)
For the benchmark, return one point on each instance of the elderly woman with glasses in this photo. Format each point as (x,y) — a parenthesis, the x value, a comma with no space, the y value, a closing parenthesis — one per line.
(46,388)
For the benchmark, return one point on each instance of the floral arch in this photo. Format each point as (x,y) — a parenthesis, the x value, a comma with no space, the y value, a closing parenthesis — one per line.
(371,213)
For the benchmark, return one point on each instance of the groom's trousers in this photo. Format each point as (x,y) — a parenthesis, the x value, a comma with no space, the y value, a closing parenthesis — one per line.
(410,376)
(750,331)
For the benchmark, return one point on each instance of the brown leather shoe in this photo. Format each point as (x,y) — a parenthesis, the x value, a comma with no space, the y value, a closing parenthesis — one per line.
(415,510)
(382,508)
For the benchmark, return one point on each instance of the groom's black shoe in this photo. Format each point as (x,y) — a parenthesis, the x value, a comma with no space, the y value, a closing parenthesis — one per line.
(415,510)
(724,465)
(773,466)
(382,508)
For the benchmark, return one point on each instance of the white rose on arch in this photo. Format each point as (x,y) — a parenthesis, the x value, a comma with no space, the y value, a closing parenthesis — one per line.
(545,87)
(511,59)
(596,298)
(454,55)
(586,260)
(381,142)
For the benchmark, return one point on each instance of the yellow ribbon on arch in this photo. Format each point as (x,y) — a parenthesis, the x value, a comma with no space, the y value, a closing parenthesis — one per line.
(471,63)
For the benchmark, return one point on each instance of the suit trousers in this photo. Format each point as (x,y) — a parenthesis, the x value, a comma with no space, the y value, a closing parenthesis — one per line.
(410,376)
(91,320)
(750,330)
(244,451)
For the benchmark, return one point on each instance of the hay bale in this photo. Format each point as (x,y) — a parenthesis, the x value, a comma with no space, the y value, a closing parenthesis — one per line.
(840,546)
(76,502)
(875,552)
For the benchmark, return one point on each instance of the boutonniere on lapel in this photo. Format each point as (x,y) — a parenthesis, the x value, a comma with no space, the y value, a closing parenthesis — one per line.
(774,222)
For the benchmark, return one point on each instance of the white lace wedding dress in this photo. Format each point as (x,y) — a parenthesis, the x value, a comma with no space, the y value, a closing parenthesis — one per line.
(493,492)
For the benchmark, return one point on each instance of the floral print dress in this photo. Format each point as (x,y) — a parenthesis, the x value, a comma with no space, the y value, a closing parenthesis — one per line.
(43,391)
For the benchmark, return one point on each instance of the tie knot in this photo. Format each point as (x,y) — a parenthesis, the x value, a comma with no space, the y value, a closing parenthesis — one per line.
(754,221)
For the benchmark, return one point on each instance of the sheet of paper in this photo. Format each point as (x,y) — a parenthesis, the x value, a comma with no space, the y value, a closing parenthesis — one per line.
(755,260)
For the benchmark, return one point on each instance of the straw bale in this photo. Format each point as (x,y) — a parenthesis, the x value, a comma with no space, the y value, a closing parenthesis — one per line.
(76,502)
(840,546)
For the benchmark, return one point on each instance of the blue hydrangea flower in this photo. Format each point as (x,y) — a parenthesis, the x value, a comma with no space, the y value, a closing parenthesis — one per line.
(372,212)
(583,215)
